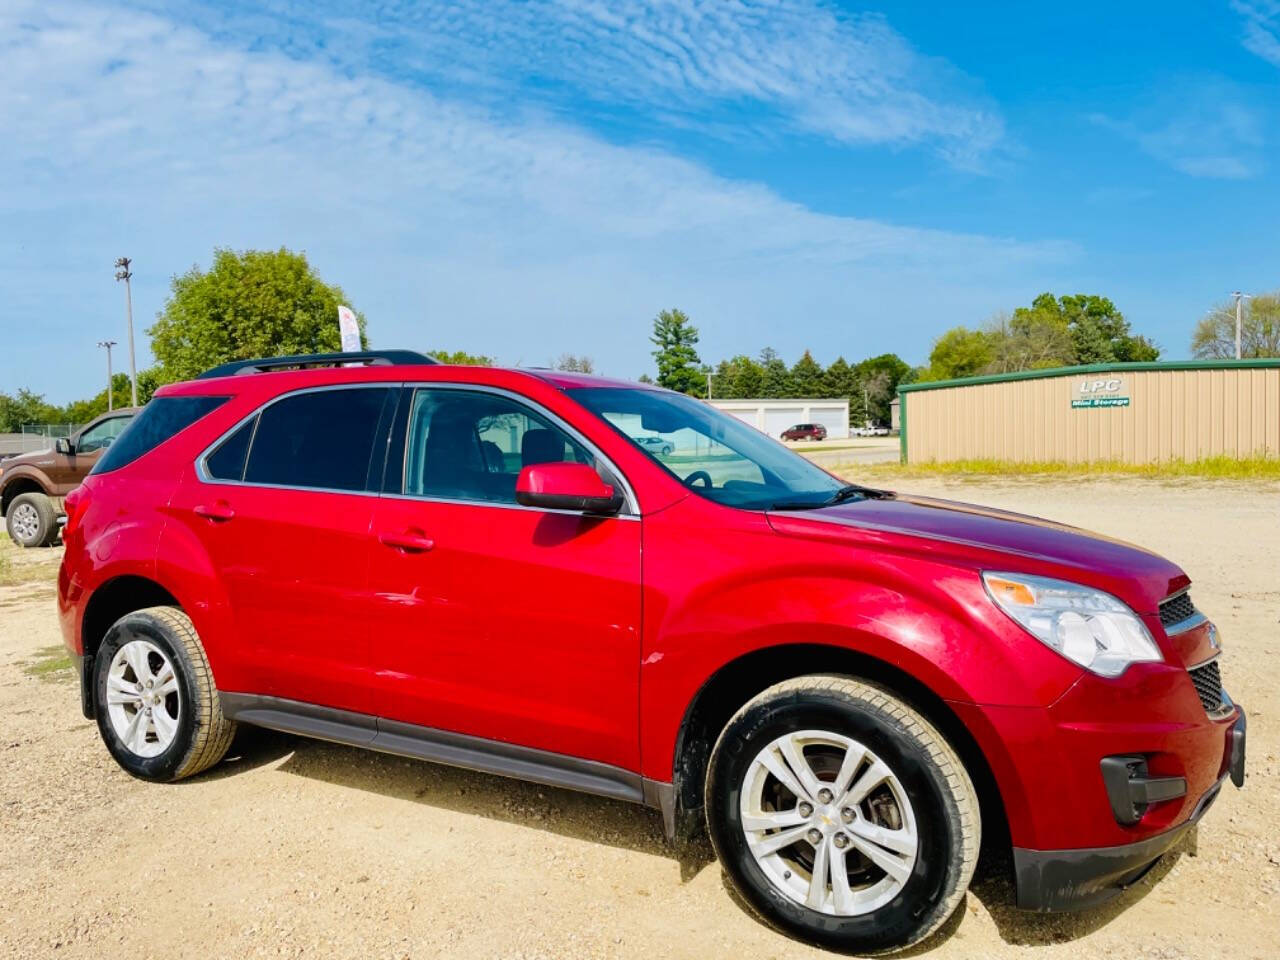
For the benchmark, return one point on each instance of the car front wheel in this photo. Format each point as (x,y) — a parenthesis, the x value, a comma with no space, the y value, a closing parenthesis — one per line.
(841,815)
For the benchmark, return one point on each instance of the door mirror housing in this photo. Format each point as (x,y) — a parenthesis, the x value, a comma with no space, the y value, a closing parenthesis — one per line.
(566,486)
(64,446)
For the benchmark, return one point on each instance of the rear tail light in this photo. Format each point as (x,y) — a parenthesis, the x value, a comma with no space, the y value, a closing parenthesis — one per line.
(74,504)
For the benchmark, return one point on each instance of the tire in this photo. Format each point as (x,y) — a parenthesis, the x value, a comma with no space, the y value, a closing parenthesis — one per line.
(194,734)
(925,813)
(32,521)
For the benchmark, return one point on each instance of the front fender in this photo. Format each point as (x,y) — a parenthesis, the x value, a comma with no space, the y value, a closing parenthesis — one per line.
(754,589)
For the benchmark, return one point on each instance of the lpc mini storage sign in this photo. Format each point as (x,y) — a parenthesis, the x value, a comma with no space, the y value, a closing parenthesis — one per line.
(1100,392)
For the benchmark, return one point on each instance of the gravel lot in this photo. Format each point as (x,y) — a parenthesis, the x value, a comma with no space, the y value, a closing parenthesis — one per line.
(298,848)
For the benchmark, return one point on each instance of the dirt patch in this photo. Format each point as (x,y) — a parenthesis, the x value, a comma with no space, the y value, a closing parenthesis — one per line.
(303,849)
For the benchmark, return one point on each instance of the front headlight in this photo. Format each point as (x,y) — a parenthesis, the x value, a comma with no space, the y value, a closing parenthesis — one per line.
(1086,626)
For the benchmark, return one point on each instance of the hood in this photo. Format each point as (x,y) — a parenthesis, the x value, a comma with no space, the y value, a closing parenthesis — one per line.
(30,456)
(1019,536)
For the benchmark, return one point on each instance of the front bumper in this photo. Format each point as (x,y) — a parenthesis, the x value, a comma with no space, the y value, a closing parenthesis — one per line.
(1055,880)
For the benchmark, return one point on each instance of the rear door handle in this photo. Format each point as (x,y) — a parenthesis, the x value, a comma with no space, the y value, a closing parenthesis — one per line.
(219,510)
(410,541)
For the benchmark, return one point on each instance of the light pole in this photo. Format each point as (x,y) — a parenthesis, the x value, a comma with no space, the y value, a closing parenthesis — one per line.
(108,344)
(708,384)
(1239,297)
(123,273)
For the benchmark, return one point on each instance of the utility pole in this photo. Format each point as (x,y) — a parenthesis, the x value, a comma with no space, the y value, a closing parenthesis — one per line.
(108,344)
(123,273)
(708,384)
(1239,297)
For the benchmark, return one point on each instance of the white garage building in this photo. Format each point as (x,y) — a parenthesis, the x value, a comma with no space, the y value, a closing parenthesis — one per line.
(774,416)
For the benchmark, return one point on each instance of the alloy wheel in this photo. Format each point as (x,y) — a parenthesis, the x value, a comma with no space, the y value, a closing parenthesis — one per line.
(829,823)
(143,701)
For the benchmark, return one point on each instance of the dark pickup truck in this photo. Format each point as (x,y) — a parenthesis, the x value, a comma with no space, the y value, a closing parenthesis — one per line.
(32,485)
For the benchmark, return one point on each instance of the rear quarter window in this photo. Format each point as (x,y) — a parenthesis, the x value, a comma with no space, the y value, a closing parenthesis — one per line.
(160,420)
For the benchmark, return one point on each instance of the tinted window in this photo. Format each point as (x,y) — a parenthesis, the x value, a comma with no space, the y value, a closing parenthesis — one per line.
(227,462)
(472,446)
(162,418)
(320,439)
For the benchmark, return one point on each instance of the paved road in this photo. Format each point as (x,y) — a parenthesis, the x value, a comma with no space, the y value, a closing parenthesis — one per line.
(870,450)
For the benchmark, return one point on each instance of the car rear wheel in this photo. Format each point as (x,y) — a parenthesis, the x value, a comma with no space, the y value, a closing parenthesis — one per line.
(158,710)
(32,521)
(841,815)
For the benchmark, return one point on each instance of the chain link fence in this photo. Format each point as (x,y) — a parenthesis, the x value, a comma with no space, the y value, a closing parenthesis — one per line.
(34,436)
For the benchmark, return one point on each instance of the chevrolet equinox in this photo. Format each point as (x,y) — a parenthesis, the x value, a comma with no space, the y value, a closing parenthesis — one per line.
(501,570)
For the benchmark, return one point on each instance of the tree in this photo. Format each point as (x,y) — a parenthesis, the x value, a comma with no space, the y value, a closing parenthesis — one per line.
(876,382)
(1215,335)
(678,365)
(253,303)
(462,358)
(27,407)
(775,378)
(574,364)
(960,352)
(1030,341)
(806,377)
(1098,331)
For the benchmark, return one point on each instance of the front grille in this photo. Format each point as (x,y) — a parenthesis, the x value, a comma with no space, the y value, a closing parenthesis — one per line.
(1176,609)
(1208,682)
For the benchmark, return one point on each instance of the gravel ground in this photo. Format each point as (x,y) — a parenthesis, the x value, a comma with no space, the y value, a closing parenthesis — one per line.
(297,848)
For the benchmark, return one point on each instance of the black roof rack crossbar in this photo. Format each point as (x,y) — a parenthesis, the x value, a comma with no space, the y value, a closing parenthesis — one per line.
(378,358)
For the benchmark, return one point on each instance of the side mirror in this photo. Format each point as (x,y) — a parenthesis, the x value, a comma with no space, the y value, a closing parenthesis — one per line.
(64,446)
(566,486)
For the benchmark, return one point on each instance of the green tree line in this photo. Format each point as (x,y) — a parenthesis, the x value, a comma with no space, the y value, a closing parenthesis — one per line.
(868,385)
(1052,332)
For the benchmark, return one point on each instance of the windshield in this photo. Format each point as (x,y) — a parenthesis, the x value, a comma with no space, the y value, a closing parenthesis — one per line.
(714,454)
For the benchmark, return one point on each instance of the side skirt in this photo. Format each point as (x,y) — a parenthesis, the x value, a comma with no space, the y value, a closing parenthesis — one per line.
(454,749)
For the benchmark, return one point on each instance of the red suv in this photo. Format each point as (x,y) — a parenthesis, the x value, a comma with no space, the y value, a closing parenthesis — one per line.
(805,431)
(496,569)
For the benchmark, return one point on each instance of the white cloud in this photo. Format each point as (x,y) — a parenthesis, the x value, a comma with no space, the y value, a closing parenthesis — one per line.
(1261,27)
(805,64)
(1203,129)
(449,225)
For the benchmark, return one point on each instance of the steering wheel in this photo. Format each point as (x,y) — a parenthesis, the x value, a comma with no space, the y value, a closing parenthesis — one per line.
(697,475)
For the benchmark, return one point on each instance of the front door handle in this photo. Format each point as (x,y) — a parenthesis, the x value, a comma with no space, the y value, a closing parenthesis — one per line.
(218,510)
(410,541)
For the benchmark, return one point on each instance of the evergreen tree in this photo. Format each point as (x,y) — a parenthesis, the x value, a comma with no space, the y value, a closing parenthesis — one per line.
(678,365)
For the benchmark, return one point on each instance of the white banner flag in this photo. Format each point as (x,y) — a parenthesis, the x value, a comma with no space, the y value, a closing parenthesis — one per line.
(349,329)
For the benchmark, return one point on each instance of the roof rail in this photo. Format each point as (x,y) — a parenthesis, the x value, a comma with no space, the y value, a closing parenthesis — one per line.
(377,358)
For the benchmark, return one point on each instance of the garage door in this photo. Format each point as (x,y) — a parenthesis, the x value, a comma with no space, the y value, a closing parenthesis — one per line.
(835,419)
(776,420)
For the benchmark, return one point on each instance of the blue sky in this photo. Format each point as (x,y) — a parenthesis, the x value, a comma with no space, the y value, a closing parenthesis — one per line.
(531,178)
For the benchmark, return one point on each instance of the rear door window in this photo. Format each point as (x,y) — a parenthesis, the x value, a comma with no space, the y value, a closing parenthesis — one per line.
(227,462)
(321,439)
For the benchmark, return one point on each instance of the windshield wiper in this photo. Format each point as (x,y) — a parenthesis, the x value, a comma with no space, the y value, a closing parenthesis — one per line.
(847,492)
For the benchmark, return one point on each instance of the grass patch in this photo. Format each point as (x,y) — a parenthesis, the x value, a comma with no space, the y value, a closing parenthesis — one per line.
(1217,468)
(51,663)
(18,566)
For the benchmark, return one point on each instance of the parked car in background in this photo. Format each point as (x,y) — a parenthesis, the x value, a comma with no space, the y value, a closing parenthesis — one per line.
(805,431)
(658,445)
(33,484)
(879,431)
(488,568)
